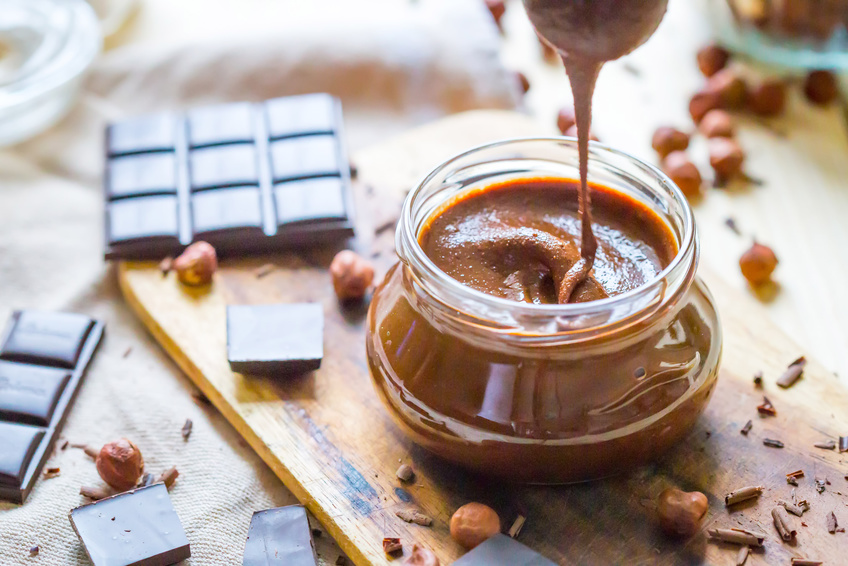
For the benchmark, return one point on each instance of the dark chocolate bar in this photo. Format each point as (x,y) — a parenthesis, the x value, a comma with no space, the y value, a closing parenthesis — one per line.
(280,537)
(501,550)
(243,176)
(138,527)
(275,339)
(43,356)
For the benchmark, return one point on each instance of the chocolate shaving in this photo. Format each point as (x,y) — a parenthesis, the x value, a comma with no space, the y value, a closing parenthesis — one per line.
(127,352)
(831,523)
(414,516)
(747,428)
(794,475)
(772,443)
(166,265)
(392,545)
(738,536)
(792,373)
(843,444)
(795,509)
(186,430)
(806,562)
(783,523)
(742,494)
(517,525)
(94,493)
(264,270)
(742,555)
(767,408)
(64,445)
(829,445)
(820,483)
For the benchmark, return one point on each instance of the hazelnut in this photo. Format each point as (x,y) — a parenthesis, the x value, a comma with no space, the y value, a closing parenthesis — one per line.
(352,275)
(522,81)
(421,557)
(717,124)
(683,172)
(758,263)
(473,523)
(712,59)
(730,87)
(767,98)
(566,119)
(196,264)
(820,87)
(680,512)
(667,140)
(120,464)
(572,132)
(701,103)
(497,9)
(726,158)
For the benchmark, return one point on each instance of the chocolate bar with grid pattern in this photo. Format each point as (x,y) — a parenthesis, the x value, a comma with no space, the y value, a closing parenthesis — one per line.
(245,177)
(43,356)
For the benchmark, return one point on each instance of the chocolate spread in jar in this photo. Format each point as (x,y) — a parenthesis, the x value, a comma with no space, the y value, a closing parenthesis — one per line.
(588,33)
(519,240)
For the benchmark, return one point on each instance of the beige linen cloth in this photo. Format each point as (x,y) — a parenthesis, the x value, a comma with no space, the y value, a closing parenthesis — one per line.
(393,64)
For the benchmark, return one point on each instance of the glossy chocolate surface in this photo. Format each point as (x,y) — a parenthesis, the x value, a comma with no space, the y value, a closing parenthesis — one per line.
(243,176)
(43,356)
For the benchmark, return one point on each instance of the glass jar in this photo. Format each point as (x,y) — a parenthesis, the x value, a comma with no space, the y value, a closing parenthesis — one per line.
(543,393)
(808,34)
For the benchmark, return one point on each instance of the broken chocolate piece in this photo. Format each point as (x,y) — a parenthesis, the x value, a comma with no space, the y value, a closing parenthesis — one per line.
(138,527)
(43,356)
(747,428)
(792,373)
(392,545)
(275,339)
(501,550)
(280,537)
(772,443)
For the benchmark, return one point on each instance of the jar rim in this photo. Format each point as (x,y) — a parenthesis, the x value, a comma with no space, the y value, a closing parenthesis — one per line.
(412,254)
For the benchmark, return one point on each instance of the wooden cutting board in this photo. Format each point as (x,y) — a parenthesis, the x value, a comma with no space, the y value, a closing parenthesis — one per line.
(329,440)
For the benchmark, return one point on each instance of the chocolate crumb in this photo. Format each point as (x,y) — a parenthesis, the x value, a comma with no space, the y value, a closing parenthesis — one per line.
(730,222)
(264,270)
(517,525)
(64,445)
(51,473)
(317,533)
(341,561)
(405,473)
(828,445)
(169,476)
(831,522)
(127,352)
(392,545)
(34,550)
(414,516)
(747,428)
(843,444)
(186,430)
(792,373)
(806,561)
(166,265)
(758,379)
(820,485)
(772,443)
(767,409)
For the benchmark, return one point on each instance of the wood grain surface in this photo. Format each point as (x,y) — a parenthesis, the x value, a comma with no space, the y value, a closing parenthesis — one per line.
(329,440)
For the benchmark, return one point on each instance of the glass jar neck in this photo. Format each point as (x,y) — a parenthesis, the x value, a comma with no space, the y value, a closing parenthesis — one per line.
(457,309)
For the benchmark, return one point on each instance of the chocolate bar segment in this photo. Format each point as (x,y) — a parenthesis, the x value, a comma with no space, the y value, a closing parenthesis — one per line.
(29,394)
(46,338)
(281,339)
(501,550)
(173,180)
(142,134)
(280,537)
(138,527)
(18,445)
(43,356)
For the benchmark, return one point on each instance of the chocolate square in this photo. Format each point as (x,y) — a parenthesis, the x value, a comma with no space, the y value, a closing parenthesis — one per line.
(224,166)
(310,199)
(142,218)
(280,537)
(308,156)
(18,443)
(275,339)
(143,133)
(131,175)
(226,209)
(138,528)
(303,114)
(46,338)
(220,124)
(28,394)
(501,550)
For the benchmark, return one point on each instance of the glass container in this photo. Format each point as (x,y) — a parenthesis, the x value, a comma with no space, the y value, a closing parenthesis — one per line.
(543,393)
